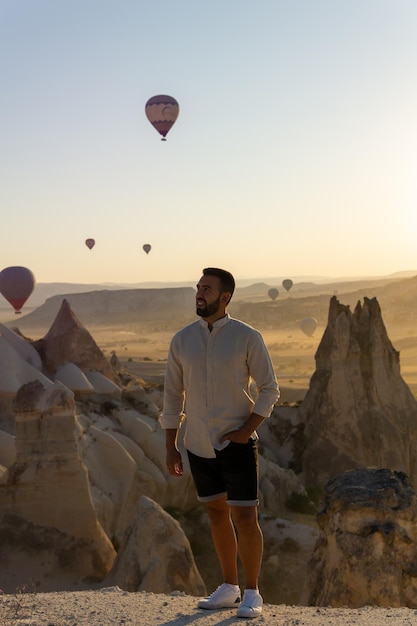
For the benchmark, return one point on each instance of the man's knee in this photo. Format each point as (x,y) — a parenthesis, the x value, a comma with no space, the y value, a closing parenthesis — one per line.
(245,517)
(217,509)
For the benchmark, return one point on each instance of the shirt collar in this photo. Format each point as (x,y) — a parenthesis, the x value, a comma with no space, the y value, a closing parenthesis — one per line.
(218,323)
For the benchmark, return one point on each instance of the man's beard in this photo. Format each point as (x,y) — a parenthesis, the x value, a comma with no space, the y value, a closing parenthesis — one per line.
(208,309)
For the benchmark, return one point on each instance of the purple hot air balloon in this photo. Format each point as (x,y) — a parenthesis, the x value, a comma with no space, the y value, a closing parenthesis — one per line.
(16,285)
(162,111)
(90,243)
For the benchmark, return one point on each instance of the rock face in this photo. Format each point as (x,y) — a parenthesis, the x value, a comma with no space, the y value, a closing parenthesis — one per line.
(15,371)
(22,347)
(68,341)
(155,554)
(119,306)
(367,554)
(46,508)
(358,410)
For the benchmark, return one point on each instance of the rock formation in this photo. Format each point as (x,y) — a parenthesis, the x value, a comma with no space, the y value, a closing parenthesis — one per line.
(358,410)
(68,341)
(288,549)
(367,552)
(46,509)
(155,554)
(21,346)
(15,371)
(276,485)
(68,354)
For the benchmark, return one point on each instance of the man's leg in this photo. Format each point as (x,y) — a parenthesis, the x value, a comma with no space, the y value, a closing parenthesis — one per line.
(224,538)
(250,542)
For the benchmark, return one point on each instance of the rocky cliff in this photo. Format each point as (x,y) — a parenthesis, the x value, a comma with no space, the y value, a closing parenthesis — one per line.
(68,341)
(367,552)
(358,410)
(47,512)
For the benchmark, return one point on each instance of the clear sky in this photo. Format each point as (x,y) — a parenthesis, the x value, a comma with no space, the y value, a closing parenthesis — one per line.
(295,151)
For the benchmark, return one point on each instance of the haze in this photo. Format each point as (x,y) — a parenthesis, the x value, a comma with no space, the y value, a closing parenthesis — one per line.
(294,152)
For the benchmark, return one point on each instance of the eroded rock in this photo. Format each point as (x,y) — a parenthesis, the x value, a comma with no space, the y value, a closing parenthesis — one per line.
(156,555)
(358,410)
(367,551)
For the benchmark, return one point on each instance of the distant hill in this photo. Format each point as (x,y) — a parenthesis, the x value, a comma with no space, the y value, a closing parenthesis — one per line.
(246,288)
(168,306)
(114,307)
(258,292)
(397,299)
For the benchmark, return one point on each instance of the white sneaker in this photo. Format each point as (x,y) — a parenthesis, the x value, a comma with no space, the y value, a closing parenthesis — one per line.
(225,597)
(251,605)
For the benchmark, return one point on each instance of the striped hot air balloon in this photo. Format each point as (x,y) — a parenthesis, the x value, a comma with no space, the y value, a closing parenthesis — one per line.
(162,112)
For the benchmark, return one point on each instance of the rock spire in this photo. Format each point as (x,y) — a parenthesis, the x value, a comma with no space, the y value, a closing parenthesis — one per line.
(358,411)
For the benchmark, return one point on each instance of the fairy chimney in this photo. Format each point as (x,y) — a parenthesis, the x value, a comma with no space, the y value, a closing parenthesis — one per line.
(68,341)
(358,411)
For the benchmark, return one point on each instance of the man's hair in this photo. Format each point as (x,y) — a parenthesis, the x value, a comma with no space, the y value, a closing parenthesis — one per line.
(226,279)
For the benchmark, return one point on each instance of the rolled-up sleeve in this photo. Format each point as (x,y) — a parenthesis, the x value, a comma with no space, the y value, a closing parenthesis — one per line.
(263,374)
(174,393)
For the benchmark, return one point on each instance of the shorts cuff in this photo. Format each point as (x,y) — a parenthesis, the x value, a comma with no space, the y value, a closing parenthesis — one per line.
(216,496)
(243,502)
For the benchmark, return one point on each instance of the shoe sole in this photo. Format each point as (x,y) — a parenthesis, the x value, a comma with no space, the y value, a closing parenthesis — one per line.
(249,614)
(214,607)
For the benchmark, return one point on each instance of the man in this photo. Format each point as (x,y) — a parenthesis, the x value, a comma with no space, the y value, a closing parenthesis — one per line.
(210,366)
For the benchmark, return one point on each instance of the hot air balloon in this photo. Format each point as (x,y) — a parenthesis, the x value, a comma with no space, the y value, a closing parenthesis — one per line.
(287,284)
(16,285)
(273,293)
(147,247)
(162,111)
(90,243)
(308,326)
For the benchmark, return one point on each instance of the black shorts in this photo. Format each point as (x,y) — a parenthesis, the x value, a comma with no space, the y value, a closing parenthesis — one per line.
(234,473)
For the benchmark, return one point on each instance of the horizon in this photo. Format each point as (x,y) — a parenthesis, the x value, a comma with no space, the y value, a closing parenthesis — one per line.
(302,278)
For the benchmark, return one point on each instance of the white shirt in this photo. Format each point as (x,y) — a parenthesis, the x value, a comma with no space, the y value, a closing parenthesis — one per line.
(208,378)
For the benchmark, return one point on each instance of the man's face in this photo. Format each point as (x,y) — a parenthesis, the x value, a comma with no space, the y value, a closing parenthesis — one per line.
(208,296)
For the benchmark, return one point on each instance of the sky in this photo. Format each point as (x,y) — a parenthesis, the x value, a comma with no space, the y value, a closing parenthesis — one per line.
(294,153)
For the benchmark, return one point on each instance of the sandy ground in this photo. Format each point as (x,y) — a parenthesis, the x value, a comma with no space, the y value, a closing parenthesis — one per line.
(112,606)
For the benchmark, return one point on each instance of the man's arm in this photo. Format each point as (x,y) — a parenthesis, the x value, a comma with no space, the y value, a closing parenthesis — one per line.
(173,456)
(172,413)
(262,371)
